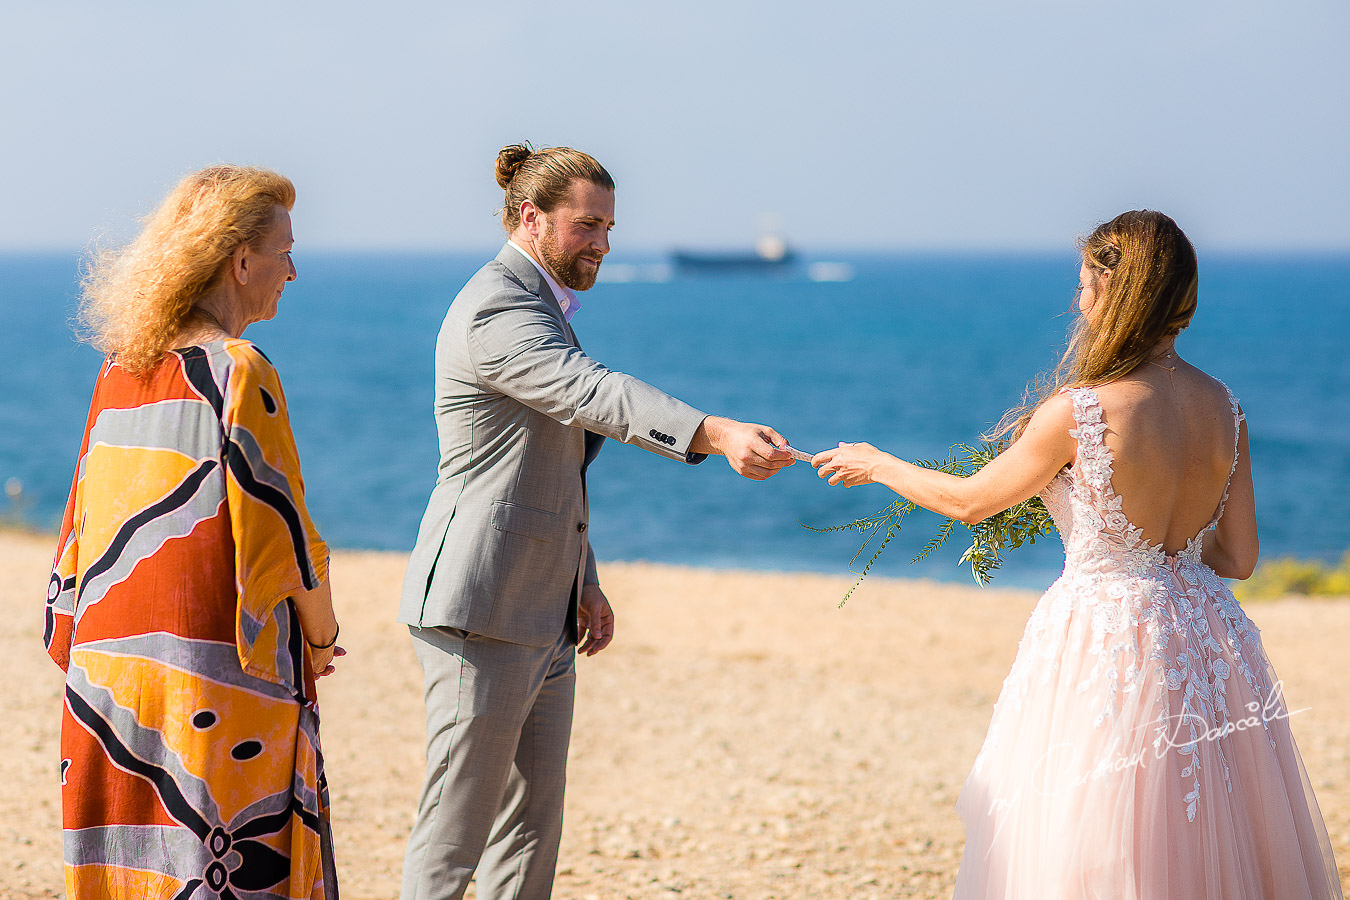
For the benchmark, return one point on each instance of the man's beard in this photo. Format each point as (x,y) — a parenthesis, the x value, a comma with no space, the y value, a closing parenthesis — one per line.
(570,273)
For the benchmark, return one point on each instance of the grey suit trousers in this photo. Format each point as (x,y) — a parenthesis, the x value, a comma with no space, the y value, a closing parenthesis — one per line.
(499,720)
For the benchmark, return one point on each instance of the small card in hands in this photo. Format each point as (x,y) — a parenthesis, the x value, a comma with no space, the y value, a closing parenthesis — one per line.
(797,454)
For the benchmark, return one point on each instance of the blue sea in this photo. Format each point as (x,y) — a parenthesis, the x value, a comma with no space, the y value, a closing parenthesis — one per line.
(912,353)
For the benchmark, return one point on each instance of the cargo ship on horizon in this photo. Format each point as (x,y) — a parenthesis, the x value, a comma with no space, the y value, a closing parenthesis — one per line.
(770,254)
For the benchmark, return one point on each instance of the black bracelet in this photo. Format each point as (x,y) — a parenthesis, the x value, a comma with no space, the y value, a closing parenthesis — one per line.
(327,646)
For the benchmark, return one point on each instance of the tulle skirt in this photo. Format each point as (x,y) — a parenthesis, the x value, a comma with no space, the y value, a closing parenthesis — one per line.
(1141,748)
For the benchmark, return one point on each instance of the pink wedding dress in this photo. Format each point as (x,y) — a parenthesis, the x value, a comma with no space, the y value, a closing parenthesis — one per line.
(1140,747)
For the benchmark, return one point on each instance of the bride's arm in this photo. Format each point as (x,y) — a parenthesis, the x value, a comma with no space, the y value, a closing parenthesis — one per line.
(1022,470)
(1231,548)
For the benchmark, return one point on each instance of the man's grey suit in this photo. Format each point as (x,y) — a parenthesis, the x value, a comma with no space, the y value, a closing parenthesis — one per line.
(501,557)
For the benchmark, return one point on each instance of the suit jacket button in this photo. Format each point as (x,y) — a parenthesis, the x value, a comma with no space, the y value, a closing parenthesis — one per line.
(581,526)
(653,433)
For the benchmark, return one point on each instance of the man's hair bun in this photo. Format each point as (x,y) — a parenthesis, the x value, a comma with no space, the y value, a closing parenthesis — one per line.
(509,161)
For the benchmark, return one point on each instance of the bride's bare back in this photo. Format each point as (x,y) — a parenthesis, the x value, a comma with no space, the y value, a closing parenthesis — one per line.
(1172,439)
(1171,433)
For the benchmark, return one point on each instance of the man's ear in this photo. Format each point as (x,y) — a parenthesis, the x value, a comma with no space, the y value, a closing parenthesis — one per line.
(530,218)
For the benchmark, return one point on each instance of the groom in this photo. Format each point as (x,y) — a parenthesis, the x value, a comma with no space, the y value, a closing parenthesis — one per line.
(501,590)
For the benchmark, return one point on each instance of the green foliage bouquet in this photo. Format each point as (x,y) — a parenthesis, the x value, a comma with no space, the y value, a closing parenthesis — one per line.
(989,540)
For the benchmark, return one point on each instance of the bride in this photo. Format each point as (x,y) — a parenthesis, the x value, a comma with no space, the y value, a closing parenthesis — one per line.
(1140,746)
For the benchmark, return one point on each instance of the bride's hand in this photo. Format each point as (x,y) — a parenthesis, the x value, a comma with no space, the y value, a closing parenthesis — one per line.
(849,464)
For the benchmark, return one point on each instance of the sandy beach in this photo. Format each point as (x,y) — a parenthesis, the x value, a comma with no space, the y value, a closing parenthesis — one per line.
(742,738)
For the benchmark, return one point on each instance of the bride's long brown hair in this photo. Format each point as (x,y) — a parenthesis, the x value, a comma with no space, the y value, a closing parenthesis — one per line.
(1150,295)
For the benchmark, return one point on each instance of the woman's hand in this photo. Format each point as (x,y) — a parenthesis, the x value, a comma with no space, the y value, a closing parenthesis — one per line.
(318,623)
(323,660)
(849,464)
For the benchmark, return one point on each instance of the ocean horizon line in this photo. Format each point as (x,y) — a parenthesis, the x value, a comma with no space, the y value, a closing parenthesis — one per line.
(807,252)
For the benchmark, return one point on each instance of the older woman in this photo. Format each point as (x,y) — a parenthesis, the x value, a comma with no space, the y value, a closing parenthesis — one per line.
(189,603)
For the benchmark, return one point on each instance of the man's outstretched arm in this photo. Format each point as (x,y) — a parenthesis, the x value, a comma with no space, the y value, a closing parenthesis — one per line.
(754,451)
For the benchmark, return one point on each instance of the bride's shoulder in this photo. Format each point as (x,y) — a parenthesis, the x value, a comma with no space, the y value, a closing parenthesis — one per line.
(1216,388)
(1061,410)
(1076,403)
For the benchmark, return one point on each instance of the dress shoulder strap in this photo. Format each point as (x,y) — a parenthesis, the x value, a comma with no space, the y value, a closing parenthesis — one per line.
(1093,466)
(1238,418)
(1087,406)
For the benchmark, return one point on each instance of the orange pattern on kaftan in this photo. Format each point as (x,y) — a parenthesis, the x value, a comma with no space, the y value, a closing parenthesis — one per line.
(190,760)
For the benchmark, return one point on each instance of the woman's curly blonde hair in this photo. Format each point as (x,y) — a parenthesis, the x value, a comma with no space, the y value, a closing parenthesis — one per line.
(135,299)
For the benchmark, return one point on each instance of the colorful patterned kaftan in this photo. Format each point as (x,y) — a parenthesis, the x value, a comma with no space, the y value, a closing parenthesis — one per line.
(190,763)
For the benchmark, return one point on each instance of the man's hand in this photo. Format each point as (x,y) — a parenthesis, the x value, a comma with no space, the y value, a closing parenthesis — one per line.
(754,451)
(595,621)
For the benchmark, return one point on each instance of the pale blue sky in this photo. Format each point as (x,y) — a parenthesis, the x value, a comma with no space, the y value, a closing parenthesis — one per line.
(887,125)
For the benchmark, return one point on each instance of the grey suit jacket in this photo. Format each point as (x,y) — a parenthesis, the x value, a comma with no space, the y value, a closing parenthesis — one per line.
(521,411)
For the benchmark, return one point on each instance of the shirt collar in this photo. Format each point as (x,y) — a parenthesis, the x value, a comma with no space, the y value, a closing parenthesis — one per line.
(566,297)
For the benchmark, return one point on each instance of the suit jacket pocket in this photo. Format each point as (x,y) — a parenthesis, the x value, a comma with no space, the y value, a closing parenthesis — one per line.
(538,524)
